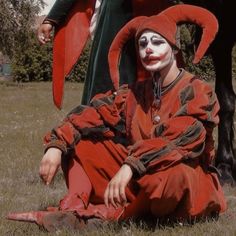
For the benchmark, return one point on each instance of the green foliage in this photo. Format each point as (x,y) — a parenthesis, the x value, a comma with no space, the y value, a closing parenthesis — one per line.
(205,67)
(16,17)
(32,62)
(29,60)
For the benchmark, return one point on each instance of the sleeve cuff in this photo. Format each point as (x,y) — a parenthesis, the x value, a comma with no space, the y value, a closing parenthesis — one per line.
(50,21)
(136,165)
(56,144)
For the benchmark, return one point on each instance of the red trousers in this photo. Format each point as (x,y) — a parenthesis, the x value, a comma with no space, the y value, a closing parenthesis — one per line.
(183,191)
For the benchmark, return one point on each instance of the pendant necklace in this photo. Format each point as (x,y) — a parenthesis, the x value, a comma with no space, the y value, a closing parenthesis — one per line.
(157,85)
(158,89)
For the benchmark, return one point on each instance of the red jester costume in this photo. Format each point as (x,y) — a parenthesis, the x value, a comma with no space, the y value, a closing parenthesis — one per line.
(162,132)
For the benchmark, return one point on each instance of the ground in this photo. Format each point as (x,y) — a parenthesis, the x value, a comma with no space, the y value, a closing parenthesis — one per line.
(27,113)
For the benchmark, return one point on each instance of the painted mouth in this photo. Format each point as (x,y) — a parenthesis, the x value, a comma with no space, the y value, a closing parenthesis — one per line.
(151,60)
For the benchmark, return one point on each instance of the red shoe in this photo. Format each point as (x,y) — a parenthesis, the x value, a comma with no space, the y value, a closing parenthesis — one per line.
(91,218)
(50,220)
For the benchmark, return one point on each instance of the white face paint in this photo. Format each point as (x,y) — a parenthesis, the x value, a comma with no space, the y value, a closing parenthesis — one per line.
(154,51)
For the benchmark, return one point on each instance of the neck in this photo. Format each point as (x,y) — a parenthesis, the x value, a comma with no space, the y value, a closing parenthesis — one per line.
(169,73)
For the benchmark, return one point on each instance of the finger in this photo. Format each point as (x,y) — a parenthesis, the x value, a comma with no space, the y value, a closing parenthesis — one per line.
(41,173)
(41,38)
(106,196)
(41,169)
(111,201)
(51,173)
(111,196)
(47,36)
(116,196)
(44,170)
(123,195)
(47,40)
(44,35)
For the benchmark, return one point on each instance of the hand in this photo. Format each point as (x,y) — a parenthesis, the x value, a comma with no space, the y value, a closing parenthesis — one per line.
(49,164)
(115,191)
(44,33)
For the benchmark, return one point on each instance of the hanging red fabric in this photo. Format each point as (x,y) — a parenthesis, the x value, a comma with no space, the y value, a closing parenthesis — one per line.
(69,41)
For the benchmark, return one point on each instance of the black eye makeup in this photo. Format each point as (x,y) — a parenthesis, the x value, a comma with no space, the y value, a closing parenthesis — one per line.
(143,42)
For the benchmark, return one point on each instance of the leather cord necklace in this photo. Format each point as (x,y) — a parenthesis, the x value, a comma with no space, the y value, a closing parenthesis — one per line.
(157,85)
(158,89)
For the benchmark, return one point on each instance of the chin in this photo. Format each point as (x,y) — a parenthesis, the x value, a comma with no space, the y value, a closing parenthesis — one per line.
(151,68)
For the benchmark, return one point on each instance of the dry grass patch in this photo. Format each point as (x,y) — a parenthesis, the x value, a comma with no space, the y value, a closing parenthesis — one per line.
(27,113)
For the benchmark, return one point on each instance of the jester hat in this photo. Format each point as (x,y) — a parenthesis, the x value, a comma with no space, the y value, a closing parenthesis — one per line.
(165,24)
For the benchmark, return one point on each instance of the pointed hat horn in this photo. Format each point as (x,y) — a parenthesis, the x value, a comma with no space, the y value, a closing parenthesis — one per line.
(126,33)
(200,16)
(33,216)
(166,22)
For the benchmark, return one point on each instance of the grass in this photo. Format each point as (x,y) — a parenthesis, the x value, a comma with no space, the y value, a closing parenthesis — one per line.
(26,114)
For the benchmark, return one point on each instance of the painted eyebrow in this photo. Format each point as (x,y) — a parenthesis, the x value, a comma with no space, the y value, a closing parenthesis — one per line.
(156,37)
(152,38)
(143,38)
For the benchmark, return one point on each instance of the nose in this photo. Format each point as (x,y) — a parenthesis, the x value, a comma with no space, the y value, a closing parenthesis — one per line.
(149,50)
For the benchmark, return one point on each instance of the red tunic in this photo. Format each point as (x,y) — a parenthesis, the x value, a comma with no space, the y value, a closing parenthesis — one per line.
(169,148)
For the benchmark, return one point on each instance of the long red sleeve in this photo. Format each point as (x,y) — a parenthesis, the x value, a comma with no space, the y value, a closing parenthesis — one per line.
(102,119)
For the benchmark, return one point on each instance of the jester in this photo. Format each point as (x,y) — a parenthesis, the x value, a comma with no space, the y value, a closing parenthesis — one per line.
(141,151)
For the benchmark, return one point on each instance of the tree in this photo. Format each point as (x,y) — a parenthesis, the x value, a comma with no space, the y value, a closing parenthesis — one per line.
(33,63)
(29,60)
(17,18)
(189,41)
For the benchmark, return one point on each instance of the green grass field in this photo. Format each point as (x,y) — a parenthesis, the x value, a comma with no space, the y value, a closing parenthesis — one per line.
(26,114)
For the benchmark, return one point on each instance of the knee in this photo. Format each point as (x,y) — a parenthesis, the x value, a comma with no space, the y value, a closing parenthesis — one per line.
(171,190)
(162,207)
